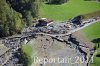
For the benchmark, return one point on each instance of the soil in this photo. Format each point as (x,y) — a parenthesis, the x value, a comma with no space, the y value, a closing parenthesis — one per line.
(83,39)
(47,47)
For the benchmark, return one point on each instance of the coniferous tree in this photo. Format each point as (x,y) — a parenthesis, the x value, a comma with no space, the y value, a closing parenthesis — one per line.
(8,21)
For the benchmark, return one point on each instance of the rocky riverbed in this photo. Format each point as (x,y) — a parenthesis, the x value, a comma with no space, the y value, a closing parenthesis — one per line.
(50,43)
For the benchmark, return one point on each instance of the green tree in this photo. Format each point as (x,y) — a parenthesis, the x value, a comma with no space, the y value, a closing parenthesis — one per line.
(28,8)
(35,6)
(29,18)
(8,20)
(25,59)
(26,53)
(13,12)
(96,41)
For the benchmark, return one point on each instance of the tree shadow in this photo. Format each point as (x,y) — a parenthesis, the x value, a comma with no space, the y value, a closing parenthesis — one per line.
(98,55)
(56,2)
(96,41)
(53,3)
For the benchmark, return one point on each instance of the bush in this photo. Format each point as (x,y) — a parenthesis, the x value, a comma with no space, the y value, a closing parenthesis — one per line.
(26,52)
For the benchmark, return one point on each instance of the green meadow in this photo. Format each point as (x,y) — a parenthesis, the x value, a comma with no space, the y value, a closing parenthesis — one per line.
(27,49)
(93,32)
(96,61)
(68,10)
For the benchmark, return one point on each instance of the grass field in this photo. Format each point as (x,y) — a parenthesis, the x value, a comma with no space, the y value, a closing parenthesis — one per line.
(68,10)
(27,49)
(93,32)
(96,61)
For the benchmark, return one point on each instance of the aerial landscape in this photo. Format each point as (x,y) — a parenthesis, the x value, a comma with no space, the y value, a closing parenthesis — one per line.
(49,32)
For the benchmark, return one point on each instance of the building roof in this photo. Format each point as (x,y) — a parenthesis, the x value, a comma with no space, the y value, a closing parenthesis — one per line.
(45,20)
